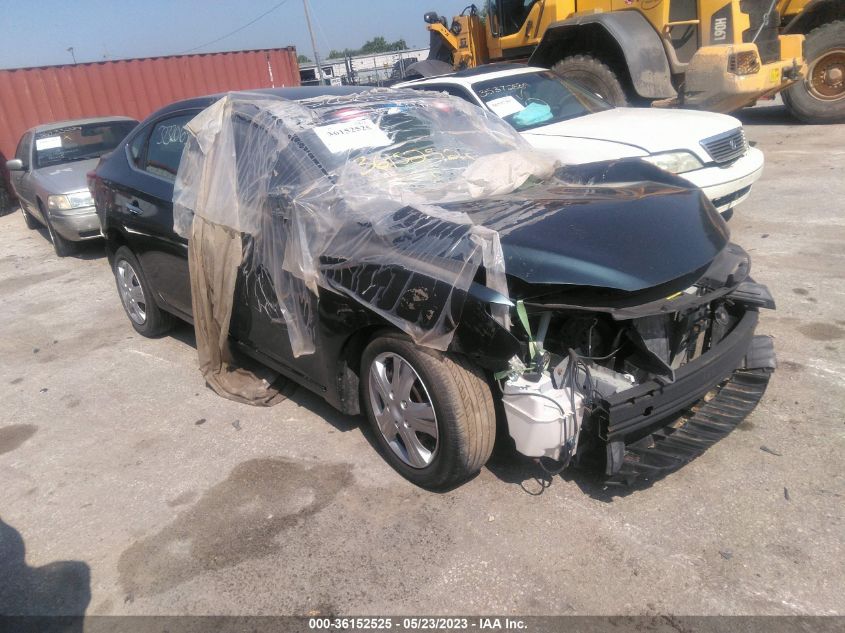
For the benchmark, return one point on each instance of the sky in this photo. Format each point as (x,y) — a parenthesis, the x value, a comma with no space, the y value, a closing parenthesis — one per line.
(39,32)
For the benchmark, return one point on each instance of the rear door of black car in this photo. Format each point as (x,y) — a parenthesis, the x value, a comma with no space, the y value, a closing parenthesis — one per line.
(144,205)
(257,319)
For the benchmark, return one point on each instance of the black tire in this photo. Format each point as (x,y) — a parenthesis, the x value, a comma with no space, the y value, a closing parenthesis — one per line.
(462,403)
(62,246)
(799,98)
(5,198)
(31,222)
(155,322)
(595,76)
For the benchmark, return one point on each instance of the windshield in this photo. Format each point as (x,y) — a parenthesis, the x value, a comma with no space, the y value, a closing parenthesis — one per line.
(408,142)
(419,147)
(532,100)
(78,142)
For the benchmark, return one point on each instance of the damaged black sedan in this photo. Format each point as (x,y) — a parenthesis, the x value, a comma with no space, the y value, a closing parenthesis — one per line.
(408,257)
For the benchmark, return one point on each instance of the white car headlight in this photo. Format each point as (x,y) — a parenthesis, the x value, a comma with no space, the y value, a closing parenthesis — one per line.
(75,200)
(675,162)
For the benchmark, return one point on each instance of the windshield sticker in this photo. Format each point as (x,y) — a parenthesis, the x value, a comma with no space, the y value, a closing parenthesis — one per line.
(505,106)
(357,134)
(50,142)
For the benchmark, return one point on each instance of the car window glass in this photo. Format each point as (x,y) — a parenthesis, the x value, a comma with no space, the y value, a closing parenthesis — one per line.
(136,147)
(22,152)
(76,142)
(531,100)
(164,150)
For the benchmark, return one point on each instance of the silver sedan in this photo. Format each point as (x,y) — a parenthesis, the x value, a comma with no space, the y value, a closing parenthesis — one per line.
(49,171)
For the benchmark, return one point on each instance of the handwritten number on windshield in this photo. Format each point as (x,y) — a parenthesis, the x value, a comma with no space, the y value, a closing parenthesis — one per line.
(497,90)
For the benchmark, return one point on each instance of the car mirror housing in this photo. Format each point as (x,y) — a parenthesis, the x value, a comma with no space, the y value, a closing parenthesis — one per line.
(16,164)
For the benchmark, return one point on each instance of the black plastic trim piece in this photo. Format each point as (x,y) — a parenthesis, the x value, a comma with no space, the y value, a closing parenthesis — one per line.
(753,294)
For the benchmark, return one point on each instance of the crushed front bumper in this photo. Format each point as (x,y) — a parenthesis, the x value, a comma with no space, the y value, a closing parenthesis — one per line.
(673,446)
(656,428)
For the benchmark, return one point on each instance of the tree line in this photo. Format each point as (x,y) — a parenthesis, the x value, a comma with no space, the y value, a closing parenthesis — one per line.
(371,47)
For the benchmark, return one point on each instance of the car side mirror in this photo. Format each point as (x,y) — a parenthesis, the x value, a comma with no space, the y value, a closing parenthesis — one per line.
(16,164)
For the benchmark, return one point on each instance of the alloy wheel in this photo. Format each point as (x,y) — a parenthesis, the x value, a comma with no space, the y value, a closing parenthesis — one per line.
(403,410)
(131,292)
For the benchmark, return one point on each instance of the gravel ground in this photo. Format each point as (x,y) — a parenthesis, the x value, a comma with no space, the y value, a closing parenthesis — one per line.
(128,487)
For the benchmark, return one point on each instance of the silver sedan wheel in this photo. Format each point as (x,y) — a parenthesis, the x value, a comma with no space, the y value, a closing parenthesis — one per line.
(131,292)
(403,409)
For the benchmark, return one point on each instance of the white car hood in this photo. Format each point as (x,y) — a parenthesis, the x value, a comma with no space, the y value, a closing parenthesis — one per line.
(644,129)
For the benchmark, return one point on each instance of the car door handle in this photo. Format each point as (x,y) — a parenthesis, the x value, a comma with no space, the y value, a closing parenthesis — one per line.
(133,208)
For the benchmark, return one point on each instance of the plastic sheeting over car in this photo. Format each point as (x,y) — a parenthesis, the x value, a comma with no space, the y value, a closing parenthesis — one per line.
(342,194)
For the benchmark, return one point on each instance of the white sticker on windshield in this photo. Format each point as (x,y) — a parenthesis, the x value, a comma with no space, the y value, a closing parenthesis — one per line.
(356,134)
(49,142)
(505,106)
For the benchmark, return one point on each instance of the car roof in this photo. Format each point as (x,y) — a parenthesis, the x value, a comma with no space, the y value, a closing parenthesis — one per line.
(295,94)
(475,75)
(46,127)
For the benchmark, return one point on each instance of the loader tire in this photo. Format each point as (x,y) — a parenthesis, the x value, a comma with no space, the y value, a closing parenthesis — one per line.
(820,96)
(595,76)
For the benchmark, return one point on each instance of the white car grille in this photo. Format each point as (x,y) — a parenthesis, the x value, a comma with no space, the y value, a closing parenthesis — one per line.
(727,147)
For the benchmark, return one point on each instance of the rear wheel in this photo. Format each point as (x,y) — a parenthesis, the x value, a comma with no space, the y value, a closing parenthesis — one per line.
(593,75)
(820,96)
(432,414)
(137,296)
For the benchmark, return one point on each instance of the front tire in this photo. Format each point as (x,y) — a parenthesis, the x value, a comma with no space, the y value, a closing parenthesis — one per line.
(820,96)
(137,296)
(594,76)
(31,222)
(62,246)
(432,413)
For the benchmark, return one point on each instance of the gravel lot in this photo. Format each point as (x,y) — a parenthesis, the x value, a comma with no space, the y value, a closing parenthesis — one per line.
(162,498)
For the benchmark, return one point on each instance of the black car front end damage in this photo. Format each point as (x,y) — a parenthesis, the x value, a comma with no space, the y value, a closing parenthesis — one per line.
(651,355)
(661,387)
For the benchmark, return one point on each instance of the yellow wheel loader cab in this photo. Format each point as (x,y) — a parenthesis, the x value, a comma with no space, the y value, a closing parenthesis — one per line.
(820,96)
(716,55)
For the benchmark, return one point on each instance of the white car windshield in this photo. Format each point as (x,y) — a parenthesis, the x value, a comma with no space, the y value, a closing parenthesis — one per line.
(532,100)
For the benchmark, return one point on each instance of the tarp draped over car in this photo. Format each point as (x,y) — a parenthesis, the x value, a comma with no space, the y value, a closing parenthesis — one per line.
(339,194)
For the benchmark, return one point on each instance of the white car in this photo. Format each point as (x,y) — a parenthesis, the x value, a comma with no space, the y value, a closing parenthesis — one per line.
(560,117)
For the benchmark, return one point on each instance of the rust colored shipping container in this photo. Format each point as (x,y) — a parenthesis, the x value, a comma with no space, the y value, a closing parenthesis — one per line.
(130,87)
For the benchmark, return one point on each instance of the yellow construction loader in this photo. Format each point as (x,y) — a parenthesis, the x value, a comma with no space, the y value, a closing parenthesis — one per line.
(820,96)
(717,55)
